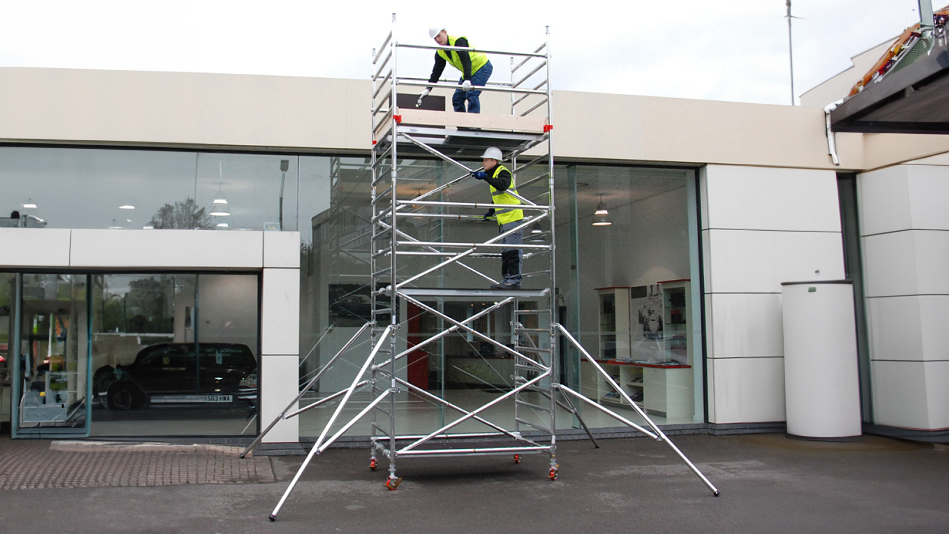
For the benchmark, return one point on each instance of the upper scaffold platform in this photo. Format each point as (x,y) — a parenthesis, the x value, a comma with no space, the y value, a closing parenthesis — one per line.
(526,124)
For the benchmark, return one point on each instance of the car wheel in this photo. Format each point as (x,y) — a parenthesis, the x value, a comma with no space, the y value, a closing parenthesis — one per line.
(121,398)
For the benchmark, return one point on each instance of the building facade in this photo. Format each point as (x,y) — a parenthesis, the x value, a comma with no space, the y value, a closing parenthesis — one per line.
(139,261)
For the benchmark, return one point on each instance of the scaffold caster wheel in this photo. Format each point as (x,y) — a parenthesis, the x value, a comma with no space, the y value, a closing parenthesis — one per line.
(553,474)
(393,483)
(716,493)
(241,456)
(273,517)
(372,464)
(517,458)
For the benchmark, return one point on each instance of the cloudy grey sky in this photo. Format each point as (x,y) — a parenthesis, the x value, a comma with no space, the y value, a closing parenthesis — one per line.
(735,50)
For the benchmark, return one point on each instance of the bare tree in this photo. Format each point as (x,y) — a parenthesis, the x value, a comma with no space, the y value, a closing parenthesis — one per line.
(184,215)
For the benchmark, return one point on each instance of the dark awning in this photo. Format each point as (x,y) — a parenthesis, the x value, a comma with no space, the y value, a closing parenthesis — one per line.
(914,99)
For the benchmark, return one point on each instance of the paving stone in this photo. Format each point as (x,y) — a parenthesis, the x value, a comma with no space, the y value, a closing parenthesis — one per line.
(63,464)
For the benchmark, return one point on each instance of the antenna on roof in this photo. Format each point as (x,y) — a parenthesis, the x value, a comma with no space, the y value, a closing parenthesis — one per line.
(790,47)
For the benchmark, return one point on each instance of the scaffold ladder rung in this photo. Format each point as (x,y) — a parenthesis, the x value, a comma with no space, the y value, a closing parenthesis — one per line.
(531,424)
(532,405)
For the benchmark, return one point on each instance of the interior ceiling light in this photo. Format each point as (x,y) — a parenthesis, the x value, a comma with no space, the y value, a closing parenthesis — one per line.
(220,210)
(536,229)
(219,198)
(222,225)
(601,217)
(126,207)
(30,204)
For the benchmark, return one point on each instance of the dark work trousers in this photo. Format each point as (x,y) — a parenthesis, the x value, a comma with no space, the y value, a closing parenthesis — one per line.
(511,258)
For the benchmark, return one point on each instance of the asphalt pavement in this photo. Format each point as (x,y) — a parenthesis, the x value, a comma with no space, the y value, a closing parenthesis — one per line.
(768,483)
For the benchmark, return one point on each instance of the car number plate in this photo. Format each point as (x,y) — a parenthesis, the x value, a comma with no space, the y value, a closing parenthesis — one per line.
(220,398)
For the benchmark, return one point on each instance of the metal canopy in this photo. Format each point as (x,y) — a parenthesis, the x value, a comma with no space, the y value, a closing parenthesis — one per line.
(914,99)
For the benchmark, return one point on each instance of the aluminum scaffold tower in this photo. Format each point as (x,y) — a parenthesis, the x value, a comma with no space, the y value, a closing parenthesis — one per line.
(409,269)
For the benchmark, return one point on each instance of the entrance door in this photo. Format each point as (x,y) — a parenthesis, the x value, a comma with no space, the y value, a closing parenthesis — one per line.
(49,349)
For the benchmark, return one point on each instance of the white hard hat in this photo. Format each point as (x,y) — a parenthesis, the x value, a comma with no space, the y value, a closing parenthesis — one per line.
(435,30)
(493,153)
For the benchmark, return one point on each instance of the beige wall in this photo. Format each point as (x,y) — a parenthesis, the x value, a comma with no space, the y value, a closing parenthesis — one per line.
(182,109)
(322,114)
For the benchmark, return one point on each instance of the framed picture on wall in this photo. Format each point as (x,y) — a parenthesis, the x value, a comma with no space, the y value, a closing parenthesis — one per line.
(646,330)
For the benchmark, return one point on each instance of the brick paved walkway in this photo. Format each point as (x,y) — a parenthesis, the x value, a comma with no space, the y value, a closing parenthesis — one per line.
(65,464)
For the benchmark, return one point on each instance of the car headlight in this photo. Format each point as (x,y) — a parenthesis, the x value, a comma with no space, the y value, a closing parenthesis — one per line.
(249,381)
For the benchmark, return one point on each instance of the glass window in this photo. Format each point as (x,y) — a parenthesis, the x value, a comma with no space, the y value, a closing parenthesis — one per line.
(50,381)
(175,354)
(136,189)
(645,249)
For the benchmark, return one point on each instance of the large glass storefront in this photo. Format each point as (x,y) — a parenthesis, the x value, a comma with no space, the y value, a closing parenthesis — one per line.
(131,354)
(627,287)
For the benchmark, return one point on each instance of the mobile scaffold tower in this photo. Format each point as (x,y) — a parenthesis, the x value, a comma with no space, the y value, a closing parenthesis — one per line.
(404,267)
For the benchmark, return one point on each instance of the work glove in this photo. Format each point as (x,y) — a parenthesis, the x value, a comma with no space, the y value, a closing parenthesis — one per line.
(466,85)
(479,175)
(423,95)
(489,214)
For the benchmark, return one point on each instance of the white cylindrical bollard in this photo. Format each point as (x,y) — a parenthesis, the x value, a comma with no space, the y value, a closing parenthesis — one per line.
(821,378)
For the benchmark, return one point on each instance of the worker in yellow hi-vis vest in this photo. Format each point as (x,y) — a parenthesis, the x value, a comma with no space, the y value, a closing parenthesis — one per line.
(502,185)
(474,66)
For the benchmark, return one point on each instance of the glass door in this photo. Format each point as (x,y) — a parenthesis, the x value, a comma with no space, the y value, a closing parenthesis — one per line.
(50,345)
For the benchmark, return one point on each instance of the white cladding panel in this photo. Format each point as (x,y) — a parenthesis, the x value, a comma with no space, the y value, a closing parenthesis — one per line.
(279,376)
(167,249)
(758,262)
(910,328)
(763,198)
(904,197)
(884,201)
(280,312)
(744,325)
(746,390)
(929,196)
(911,394)
(34,247)
(911,262)
(282,249)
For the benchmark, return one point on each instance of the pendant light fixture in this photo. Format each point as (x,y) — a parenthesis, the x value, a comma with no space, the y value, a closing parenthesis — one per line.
(601,217)
(29,204)
(219,198)
(220,210)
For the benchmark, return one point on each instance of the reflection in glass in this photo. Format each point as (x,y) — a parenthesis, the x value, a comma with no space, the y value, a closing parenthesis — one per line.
(52,371)
(647,243)
(175,354)
(150,189)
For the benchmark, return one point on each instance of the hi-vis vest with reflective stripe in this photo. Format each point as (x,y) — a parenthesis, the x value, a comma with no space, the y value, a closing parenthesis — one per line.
(478,59)
(505,215)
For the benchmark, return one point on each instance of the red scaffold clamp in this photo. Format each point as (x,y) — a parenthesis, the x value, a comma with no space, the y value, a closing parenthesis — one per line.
(548,127)
(397,118)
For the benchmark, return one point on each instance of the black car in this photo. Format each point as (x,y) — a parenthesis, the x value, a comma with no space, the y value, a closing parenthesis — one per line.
(169,373)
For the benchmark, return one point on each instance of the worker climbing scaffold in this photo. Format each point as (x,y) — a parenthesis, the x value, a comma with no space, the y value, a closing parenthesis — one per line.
(428,269)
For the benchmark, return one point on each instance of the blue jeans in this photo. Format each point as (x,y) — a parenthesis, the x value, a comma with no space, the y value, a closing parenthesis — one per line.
(474,103)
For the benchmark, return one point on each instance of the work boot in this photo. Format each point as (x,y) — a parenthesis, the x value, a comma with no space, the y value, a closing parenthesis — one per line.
(506,285)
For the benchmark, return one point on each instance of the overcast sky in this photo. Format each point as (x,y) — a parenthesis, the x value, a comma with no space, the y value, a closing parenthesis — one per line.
(734,50)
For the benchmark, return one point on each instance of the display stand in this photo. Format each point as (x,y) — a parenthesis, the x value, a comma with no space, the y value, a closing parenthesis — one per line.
(405,133)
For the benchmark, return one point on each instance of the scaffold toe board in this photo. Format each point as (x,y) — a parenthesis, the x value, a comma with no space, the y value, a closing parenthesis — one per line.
(475,293)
